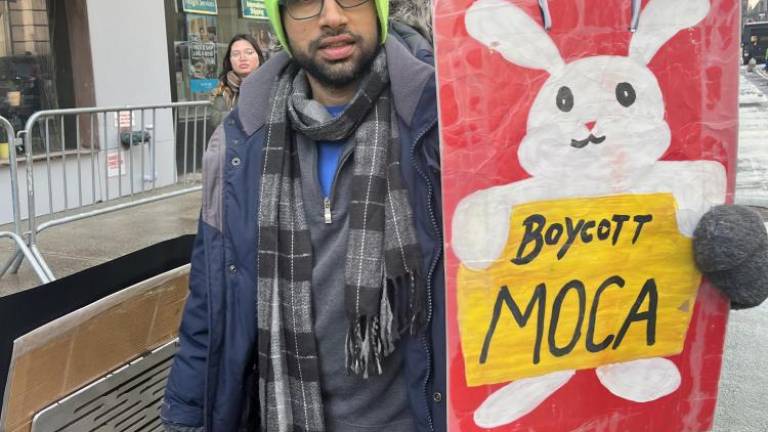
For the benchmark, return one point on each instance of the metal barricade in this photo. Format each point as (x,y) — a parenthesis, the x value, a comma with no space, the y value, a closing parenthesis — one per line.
(22,250)
(85,162)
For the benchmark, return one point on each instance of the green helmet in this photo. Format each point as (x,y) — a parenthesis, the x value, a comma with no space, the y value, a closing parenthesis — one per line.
(273,11)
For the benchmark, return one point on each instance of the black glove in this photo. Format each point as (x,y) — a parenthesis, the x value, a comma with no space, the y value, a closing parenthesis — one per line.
(730,246)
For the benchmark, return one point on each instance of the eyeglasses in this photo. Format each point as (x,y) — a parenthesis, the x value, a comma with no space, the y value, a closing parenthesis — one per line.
(246,53)
(307,9)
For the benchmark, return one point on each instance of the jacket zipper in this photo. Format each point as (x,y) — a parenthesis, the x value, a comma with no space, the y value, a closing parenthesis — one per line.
(327,211)
(432,267)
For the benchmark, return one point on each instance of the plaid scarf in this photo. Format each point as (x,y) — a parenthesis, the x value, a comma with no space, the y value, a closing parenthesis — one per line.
(229,89)
(384,287)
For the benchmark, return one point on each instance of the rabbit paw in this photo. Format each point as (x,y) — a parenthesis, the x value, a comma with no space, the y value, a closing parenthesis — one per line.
(640,380)
(518,398)
(480,229)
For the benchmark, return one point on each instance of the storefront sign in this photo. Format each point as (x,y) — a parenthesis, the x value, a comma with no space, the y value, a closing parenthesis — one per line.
(202,66)
(203,85)
(253,9)
(206,7)
(202,54)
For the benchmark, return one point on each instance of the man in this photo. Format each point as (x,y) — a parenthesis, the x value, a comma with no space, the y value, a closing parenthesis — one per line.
(765,58)
(754,55)
(316,290)
(316,293)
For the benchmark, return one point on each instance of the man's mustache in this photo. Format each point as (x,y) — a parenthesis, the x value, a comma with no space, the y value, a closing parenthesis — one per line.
(315,44)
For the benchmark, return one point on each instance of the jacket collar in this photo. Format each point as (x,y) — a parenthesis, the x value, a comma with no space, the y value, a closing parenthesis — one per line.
(409,79)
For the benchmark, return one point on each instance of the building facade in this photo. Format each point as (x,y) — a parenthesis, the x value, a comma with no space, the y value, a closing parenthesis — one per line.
(58,54)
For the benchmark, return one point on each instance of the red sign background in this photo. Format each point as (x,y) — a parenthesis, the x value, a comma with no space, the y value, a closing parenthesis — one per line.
(484,103)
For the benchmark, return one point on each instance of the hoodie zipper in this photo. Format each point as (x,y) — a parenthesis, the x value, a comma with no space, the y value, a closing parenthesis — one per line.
(328,201)
(432,266)
(327,211)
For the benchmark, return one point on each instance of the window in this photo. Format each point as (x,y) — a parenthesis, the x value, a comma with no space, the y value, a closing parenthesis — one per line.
(37,71)
(198,39)
(27,76)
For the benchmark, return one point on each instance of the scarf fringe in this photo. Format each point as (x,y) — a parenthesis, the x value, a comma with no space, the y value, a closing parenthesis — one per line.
(417,307)
(371,339)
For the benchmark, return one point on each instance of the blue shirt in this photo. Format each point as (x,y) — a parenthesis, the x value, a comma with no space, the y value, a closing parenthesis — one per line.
(328,155)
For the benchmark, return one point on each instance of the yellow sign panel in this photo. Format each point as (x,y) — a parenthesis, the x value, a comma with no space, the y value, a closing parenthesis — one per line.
(581,283)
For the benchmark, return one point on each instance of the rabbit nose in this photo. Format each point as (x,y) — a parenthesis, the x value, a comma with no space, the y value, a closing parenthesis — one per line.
(590,125)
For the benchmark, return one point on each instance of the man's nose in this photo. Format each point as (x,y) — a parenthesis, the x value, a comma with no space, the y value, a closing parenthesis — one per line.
(333,15)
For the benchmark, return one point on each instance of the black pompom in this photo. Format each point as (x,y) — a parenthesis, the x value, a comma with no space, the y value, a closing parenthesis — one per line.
(730,247)
(728,235)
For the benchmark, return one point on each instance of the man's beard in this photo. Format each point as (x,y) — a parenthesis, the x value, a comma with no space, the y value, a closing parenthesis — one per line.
(336,74)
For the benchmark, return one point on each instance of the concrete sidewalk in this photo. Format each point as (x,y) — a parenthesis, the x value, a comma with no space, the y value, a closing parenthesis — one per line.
(79,245)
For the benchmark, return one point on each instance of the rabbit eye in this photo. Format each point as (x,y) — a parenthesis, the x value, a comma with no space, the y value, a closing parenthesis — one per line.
(565,99)
(625,94)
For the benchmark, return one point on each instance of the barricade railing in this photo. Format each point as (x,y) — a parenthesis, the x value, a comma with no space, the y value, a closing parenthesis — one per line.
(84,162)
(21,250)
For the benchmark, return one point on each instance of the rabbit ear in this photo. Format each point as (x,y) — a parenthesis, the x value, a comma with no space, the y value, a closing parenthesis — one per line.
(660,21)
(507,29)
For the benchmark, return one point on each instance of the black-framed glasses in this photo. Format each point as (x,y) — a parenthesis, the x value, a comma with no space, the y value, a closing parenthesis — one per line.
(307,9)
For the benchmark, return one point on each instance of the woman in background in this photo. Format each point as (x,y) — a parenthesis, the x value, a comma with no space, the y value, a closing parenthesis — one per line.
(243,57)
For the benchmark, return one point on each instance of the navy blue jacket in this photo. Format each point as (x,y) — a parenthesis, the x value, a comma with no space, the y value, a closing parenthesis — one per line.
(211,379)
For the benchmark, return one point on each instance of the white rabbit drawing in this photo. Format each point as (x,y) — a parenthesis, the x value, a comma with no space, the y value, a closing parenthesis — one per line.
(596,128)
